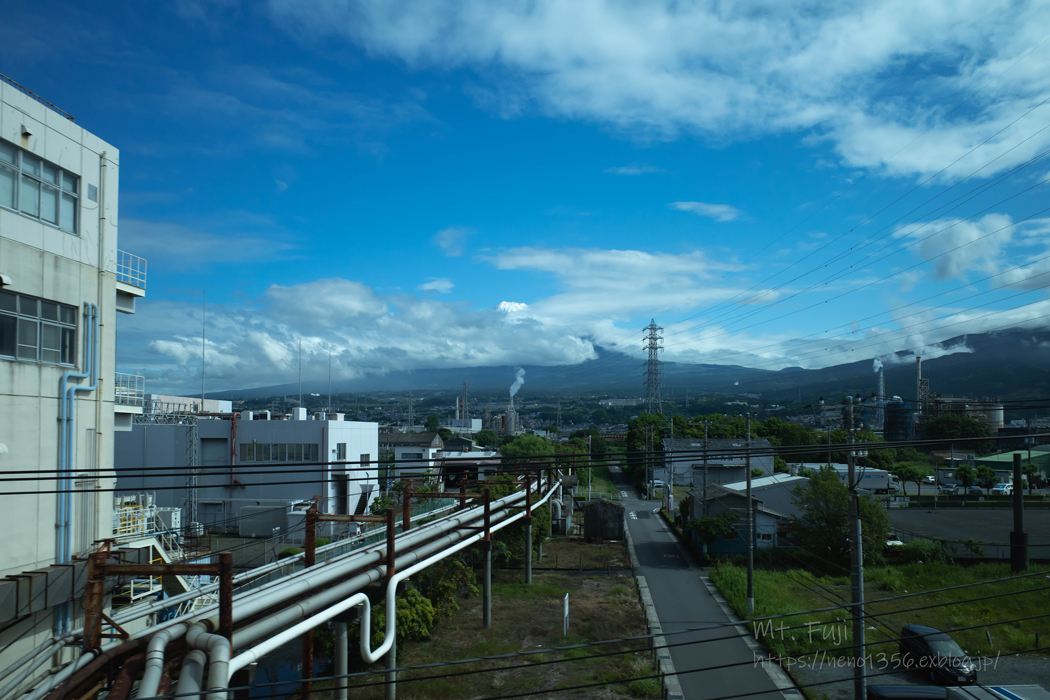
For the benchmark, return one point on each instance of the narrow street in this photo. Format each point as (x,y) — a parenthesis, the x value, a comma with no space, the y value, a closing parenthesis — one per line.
(683,601)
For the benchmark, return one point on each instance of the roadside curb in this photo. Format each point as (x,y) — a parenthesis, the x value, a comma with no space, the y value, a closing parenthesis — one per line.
(780,678)
(671,687)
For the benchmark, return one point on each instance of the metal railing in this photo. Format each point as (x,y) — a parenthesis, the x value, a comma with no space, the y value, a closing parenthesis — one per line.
(26,91)
(129,389)
(131,269)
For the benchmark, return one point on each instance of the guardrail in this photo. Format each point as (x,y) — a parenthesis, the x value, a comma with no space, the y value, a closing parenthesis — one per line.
(131,269)
(26,91)
(129,389)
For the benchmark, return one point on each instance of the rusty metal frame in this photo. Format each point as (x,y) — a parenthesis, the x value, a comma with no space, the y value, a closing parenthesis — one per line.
(98,569)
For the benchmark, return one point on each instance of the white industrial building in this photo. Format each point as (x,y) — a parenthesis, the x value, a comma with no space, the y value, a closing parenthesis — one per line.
(214,466)
(62,282)
(414,454)
(686,459)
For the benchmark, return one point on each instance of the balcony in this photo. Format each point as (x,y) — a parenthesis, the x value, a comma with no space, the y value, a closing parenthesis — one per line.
(131,280)
(129,395)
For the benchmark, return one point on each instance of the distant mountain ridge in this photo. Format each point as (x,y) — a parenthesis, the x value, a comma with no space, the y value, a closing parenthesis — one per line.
(1008,364)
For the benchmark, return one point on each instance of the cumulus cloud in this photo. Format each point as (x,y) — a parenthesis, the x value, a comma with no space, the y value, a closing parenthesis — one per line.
(441,285)
(451,240)
(956,247)
(718,212)
(855,74)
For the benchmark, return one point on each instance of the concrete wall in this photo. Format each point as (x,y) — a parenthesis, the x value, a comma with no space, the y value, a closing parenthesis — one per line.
(46,262)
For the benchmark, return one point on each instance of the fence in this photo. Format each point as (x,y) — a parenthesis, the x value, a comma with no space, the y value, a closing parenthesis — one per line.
(131,269)
(129,389)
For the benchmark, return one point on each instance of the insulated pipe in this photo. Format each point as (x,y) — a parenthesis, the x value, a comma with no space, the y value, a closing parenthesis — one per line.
(341,661)
(367,654)
(46,649)
(86,658)
(155,659)
(71,441)
(218,650)
(192,673)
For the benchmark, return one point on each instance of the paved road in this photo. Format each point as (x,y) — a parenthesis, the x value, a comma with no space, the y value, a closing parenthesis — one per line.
(682,602)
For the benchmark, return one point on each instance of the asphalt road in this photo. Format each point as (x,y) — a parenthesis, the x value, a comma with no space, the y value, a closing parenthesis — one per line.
(682,602)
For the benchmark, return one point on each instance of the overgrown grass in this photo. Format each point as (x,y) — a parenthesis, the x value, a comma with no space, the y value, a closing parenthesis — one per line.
(795,591)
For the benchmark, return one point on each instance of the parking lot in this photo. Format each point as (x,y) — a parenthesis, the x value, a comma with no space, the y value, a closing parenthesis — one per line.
(992,525)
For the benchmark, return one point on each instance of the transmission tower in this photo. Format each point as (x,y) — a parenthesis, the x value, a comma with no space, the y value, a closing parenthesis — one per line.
(653,342)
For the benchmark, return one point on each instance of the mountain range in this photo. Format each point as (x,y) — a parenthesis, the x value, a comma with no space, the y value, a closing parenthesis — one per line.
(1009,364)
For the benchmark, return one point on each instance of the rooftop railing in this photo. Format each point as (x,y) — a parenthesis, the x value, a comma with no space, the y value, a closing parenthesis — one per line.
(38,98)
(129,389)
(131,269)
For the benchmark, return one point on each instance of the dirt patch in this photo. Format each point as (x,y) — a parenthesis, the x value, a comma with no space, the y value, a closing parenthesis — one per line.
(529,618)
(573,554)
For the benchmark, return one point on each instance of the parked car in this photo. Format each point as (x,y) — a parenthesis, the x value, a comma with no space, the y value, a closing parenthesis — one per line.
(975,491)
(1003,490)
(934,653)
(928,479)
(893,541)
(951,489)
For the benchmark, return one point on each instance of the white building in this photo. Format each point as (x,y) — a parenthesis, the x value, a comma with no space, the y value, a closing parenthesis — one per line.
(62,282)
(414,454)
(247,463)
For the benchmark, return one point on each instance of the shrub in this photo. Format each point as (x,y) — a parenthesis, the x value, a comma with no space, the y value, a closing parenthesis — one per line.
(924,551)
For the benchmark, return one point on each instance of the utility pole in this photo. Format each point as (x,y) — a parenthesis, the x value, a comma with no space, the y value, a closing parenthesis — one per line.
(857,568)
(204,330)
(653,341)
(705,467)
(1018,538)
(750,527)
(463,409)
(300,373)
(410,416)
(590,460)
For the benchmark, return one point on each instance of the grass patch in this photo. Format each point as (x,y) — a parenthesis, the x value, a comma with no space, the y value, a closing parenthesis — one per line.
(789,591)
(567,553)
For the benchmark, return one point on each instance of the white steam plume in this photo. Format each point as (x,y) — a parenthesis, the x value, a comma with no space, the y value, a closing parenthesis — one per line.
(519,379)
(876,365)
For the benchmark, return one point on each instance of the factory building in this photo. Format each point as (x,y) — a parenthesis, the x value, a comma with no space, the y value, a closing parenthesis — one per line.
(63,280)
(213,466)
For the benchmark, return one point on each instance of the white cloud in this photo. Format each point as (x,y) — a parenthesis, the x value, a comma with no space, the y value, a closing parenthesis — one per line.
(441,285)
(718,212)
(956,247)
(240,238)
(870,76)
(633,169)
(451,240)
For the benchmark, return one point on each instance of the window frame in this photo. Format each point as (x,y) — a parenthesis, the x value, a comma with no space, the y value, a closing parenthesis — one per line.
(39,323)
(58,188)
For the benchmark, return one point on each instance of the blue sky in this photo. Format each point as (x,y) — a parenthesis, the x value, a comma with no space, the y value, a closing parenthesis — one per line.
(377,179)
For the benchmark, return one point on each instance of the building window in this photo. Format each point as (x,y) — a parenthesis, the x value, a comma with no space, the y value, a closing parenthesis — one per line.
(36,330)
(38,189)
(340,451)
(411,455)
(366,460)
(279,452)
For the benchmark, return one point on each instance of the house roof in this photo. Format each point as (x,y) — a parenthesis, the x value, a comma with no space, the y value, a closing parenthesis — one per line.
(718,449)
(411,439)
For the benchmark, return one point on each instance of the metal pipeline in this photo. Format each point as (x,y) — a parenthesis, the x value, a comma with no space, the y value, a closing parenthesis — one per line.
(44,651)
(338,606)
(155,659)
(192,673)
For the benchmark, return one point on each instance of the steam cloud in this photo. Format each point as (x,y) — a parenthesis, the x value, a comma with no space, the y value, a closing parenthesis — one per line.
(519,379)
(876,365)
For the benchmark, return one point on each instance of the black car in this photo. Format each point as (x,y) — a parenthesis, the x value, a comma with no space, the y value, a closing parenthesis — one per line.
(934,653)
(906,692)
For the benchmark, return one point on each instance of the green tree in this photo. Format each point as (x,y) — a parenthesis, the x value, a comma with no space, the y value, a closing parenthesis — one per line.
(487,438)
(598,444)
(527,446)
(432,423)
(909,472)
(710,527)
(823,527)
(1031,472)
(965,475)
(445,433)
(779,464)
(985,477)
(953,427)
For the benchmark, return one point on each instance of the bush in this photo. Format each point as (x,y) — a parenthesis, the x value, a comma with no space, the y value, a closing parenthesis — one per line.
(415,618)
(288,552)
(921,551)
